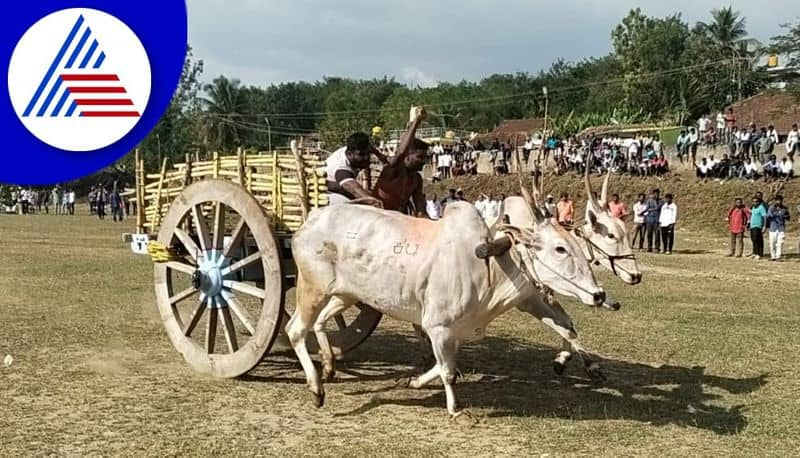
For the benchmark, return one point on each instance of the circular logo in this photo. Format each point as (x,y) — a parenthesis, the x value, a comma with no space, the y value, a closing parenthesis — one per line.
(79,79)
(88,81)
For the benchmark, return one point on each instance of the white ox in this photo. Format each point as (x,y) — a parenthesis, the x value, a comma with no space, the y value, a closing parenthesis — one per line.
(427,273)
(605,241)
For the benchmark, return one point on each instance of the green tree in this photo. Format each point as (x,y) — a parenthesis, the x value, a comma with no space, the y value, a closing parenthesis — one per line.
(224,103)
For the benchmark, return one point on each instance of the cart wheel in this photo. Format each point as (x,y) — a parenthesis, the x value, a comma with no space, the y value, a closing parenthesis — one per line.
(222,326)
(346,331)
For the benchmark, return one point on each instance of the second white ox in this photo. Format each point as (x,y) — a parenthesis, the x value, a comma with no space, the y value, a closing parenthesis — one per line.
(427,273)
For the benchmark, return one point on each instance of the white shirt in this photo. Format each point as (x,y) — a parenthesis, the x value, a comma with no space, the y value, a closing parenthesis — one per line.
(744,136)
(433,209)
(657,146)
(491,208)
(720,121)
(750,168)
(773,135)
(786,166)
(72,197)
(480,205)
(704,168)
(638,212)
(634,148)
(668,215)
(792,139)
(703,123)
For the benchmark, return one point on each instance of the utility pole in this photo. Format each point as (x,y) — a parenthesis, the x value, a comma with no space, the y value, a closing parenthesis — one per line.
(269,134)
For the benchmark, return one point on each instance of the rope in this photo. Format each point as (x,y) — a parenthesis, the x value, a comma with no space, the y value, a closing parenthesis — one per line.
(160,253)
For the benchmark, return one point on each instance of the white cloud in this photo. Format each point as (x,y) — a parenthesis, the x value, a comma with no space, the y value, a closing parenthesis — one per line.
(413,76)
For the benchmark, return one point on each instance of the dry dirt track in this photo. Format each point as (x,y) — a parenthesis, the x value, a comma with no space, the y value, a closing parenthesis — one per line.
(94,373)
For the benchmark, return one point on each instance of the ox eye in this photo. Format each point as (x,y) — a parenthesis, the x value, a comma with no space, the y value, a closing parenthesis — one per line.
(611,236)
(561,250)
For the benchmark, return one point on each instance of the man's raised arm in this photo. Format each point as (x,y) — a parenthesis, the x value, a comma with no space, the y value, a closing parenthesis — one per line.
(415,120)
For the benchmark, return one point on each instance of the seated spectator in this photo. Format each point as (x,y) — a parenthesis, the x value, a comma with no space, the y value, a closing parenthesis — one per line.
(661,165)
(750,169)
(703,169)
(771,168)
(786,168)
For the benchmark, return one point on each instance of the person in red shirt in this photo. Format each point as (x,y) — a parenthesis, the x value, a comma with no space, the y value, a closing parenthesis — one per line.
(738,222)
(399,185)
(617,208)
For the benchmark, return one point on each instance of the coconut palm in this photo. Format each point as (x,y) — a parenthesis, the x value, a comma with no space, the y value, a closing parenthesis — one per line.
(224,103)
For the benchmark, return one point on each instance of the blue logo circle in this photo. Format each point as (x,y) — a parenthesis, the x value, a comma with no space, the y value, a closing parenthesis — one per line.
(87,81)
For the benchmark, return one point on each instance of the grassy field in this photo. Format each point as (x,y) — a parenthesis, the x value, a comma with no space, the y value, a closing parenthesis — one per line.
(700,361)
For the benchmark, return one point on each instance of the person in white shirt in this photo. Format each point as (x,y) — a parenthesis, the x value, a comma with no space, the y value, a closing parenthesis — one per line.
(773,135)
(433,208)
(550,206)
(480,205)
(71,202)
(703,169)
(793,142)
(492,207)
(667,219)
(787,168)
(694,139)
(639,209)
(702,125)
(750,169)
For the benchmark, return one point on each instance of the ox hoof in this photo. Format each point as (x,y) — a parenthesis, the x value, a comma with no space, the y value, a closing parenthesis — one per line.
(318,398)
(558,367)
(464,416)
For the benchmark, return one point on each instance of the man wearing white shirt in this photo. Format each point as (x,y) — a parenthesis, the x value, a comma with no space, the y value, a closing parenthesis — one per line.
(792,142)
(773,135)
(667,219)
(639,209)
(433,208)
(480,205)
(787,168)
(71,202)
(491,207)
(702,125)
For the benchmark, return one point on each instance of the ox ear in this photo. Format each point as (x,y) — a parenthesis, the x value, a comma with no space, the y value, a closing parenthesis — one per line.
(498,221)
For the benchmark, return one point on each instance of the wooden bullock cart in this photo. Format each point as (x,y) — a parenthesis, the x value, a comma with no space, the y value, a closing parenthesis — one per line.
(219,234)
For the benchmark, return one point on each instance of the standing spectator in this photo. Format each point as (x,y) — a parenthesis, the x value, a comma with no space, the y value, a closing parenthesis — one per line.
(730,119)
(758,222)
(793,142)
(433,208)
(773,135)
(550,206)
(738,219)
(55,200)
(100,203)
(651,218)
(65,202)
(667,219)
(493,206)
(777,217)
(639,209)
(764,145)
(480,205)
(116,205)
(71,201)
(617,208)
(682,145)
(702,125)
(721,126)
(694,140)
(565,210)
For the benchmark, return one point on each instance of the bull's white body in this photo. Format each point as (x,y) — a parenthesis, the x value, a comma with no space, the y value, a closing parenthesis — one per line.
(415,270)
(426,272)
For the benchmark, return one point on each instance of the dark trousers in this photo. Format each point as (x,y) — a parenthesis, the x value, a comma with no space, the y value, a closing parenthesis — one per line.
(757,237)
(668,237)
(638,234)
(652,233)
(101,210)
(116,213)
(737,244)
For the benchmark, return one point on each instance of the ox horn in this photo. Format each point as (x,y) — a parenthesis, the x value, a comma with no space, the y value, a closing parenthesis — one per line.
(589,193)
(604,190)
(533,204)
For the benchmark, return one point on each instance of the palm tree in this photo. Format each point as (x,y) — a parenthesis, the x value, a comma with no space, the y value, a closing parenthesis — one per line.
(727,32)
(224,103)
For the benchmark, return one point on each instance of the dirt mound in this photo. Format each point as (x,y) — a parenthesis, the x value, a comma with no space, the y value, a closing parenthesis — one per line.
(701,205)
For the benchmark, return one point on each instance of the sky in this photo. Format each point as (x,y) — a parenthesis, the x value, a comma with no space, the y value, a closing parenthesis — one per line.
(420,42)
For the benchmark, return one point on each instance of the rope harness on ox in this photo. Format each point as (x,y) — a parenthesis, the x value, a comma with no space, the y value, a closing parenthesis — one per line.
(611,258)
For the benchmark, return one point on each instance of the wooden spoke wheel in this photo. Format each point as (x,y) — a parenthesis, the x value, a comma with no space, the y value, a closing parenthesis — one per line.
(222,324)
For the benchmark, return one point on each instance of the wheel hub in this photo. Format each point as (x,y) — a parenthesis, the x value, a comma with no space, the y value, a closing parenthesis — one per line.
(208,277)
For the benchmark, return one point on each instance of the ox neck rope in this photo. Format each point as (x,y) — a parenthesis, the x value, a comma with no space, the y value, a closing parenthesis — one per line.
(611,258)
(534,279)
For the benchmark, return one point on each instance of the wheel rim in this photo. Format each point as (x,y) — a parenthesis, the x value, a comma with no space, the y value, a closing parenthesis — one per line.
(222,232)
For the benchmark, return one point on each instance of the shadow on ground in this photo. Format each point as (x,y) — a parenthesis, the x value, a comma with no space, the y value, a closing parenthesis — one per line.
(511,378)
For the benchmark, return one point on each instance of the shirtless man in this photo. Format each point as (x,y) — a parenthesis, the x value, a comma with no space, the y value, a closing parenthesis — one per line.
(400,181)
(342,168)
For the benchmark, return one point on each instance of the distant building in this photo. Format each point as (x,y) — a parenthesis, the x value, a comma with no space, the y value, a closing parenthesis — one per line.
(514,129)
(773,106)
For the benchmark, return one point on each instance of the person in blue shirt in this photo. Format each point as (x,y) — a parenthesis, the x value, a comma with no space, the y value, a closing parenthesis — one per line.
(777,216)
(651,214)
(758,222)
